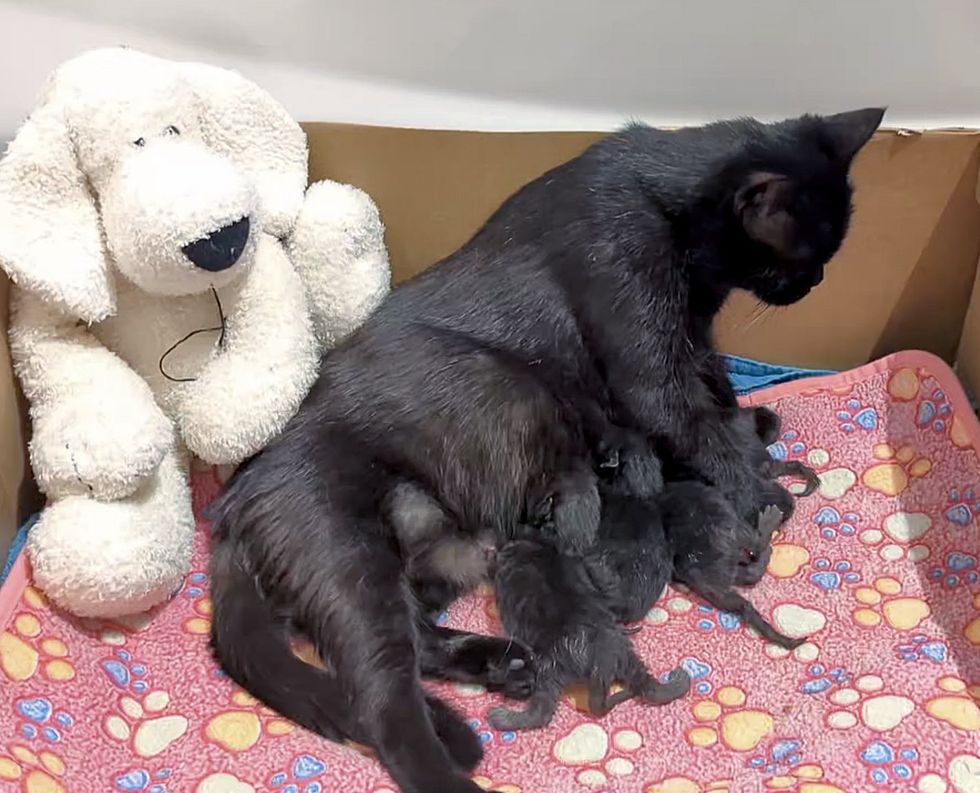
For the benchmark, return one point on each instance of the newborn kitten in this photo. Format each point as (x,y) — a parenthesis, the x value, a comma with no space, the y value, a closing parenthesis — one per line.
(714,550)
(556,603)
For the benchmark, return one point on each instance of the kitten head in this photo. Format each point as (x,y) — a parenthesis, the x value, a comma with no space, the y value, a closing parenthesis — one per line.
(790,197)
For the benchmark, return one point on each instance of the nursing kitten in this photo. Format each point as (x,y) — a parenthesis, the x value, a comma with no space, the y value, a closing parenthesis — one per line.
(608,270)
(714,550)
(557,604)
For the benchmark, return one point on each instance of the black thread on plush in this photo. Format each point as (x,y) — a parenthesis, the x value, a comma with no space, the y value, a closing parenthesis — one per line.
(191,335)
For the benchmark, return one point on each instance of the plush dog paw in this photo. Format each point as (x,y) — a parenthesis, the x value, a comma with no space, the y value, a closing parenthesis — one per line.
(100,450)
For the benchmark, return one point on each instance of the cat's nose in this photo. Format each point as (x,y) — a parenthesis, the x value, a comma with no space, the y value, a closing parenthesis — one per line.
(220,249)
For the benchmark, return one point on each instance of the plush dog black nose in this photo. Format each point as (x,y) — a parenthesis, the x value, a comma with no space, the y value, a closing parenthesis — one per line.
(220,249)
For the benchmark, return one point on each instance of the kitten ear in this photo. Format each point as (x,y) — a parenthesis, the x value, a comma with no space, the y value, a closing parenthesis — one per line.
(848,132)
(760,204)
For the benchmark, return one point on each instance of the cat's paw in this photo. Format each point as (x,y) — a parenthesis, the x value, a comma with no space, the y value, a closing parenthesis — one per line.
(513,674)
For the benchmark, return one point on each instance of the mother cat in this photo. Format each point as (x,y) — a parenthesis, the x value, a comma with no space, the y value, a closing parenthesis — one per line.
(603,276)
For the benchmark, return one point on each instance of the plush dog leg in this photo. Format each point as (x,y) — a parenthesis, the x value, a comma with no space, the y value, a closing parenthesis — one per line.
(100,559)
(344,286)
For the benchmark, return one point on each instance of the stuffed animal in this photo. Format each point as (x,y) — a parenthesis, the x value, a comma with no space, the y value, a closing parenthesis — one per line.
(175,284)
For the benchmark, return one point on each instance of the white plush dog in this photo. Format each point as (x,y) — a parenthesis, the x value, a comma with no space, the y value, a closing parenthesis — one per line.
(175,284)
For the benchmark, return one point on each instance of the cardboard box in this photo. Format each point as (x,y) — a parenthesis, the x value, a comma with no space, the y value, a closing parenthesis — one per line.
(902,280)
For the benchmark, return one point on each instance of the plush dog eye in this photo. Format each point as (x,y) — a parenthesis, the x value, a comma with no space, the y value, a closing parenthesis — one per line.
(171,130)
(141,142)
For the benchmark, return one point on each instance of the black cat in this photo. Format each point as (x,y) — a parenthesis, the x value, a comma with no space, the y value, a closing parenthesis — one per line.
(607,271)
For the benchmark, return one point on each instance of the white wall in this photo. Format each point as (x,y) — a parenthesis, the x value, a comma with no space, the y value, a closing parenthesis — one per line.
(526,64)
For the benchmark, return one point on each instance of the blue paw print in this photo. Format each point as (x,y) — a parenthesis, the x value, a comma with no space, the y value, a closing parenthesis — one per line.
(832,523)
(125,673)
(921,649)
(782,755)
(820,679)
(699,672)
(722,619)
(934,412)
(443,618)
(831,576)
(486,733)
(142,779)
(41,720)
(889,766)
(195,585)
(301,776)
(962,506)
(789,445)
(958,569)
(856,416)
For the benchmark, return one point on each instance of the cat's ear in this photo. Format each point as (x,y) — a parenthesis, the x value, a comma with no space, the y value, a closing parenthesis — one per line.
(848,132)
(761,204)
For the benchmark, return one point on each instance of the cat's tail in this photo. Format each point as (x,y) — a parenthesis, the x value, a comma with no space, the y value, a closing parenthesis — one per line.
(252,645)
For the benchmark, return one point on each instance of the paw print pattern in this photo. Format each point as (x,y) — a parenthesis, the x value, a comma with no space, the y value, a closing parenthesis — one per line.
(304,771)
(934,412)
(885,600)
(723,718)
(833,524)
(820,679)
(41,721)
(141,779)
(898,467)
(486,783)
(597,754)
(239,728)
(959,569)
(922,649)
(865,702)
(126,673)
(710,618)
(856,416)
(145,725)
(783,764)
(194,591)
(37,772)
(962,506)
(486,733)
(831,576)
(888,765)
(25,649)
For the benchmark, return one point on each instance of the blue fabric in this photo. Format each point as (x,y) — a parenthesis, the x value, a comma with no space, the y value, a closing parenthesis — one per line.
(19,539)
(748,375)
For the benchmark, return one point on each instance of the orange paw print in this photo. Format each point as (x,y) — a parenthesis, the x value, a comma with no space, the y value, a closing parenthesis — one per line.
(36,772)
(487,783)
(683,784)
(883,601)
(24,648)
(195,591)
(892,476)
(723,718)
(956,705)
(803,779)
(239,729)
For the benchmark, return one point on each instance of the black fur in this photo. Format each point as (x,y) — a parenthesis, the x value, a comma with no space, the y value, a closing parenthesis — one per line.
(714,550)
(557,604)
(607,272)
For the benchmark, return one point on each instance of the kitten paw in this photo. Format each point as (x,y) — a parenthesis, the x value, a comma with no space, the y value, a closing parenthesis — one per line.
(513,675)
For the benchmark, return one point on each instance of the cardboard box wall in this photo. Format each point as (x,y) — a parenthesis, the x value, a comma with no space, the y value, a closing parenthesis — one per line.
(903,279)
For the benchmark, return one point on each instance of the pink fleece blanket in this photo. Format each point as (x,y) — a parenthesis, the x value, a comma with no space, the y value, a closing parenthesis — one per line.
(880,569)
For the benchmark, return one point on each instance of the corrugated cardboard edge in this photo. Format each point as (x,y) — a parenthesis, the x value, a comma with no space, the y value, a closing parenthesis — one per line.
(18,495)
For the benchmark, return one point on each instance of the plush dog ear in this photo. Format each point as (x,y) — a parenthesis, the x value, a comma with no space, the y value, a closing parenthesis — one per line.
(244,123)
(50,232)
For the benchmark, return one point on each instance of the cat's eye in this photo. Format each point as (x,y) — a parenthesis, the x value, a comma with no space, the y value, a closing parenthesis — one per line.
(139,142)
(171,130)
